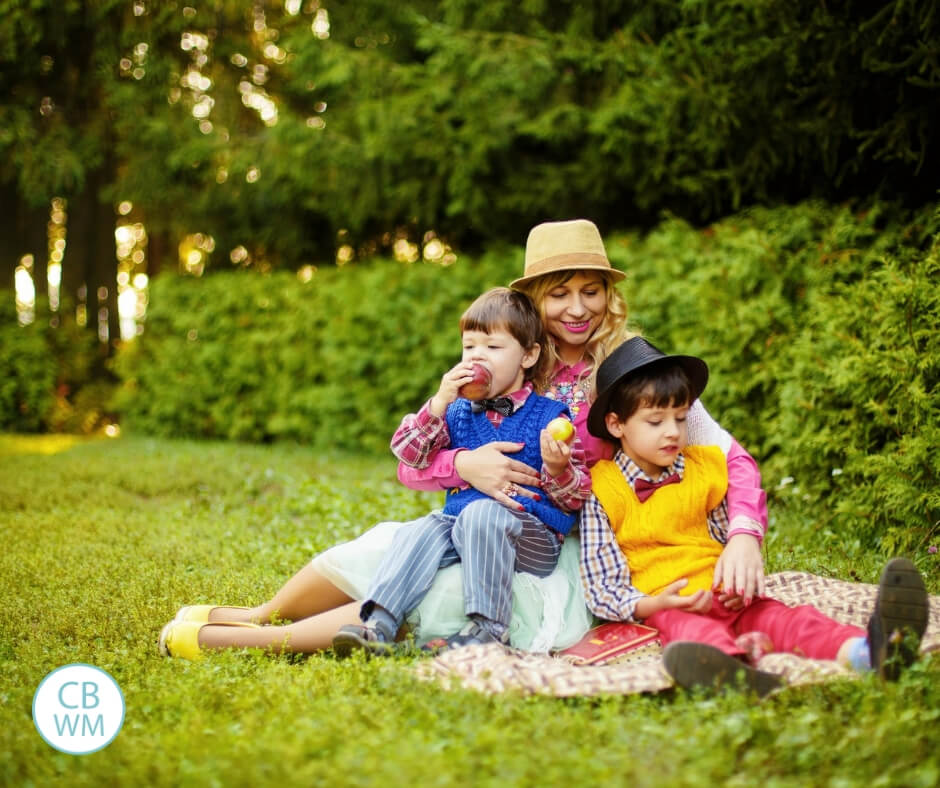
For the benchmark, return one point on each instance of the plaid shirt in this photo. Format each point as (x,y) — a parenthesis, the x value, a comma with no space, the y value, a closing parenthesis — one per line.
(420,435)
(604,570)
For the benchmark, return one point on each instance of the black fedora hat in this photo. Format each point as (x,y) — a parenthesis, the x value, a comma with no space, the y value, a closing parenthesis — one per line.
(635,354)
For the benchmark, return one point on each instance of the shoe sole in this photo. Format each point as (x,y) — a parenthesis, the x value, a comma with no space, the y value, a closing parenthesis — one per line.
(902,607)
(694,665)
(161,643)
(345,643)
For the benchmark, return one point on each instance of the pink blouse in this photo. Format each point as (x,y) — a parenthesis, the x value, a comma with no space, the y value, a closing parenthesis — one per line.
(745,495)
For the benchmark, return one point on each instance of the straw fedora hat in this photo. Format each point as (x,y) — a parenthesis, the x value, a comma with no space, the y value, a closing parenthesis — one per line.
(633,355)
(565,246)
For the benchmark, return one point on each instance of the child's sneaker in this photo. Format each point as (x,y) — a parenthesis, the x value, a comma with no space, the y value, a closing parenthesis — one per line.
(694,664)
(472,634)
(899,620)
(359,636)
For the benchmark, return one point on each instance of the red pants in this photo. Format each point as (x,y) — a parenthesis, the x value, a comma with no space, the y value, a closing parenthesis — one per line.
(801,630)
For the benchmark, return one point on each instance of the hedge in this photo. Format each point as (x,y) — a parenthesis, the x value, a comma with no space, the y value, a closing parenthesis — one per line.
(332,362)
(818,323)
(27,371)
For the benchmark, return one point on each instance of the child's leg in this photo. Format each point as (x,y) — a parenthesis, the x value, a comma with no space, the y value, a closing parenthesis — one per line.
(799,630)
(494,542)
(712,628)
(408,569)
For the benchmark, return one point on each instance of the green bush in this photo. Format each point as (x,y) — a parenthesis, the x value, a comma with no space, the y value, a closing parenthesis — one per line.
(818,323)
(820,328)
(27,371)
(334,362)
(52,378)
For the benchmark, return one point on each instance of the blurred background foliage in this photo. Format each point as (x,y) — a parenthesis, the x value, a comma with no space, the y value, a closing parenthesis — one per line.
(305,195)
(293,128)
(819,324)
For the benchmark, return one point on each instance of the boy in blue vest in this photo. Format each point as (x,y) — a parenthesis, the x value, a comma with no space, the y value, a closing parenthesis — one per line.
(502,332)
(653,540)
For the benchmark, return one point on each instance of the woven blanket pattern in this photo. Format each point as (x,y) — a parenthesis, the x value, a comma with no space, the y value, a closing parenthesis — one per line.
(493,669)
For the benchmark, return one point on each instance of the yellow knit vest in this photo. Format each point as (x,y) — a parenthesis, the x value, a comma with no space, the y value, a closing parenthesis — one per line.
(666,537)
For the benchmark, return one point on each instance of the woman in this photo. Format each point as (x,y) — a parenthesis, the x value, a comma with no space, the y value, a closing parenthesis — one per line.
(569,277)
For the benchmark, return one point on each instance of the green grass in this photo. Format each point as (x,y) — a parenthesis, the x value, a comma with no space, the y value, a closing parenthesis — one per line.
(103,540)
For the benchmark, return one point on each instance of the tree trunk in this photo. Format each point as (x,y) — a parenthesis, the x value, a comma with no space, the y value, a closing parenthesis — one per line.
(23,231)
(104,272)
(8,256)
(158,253)
(90,253)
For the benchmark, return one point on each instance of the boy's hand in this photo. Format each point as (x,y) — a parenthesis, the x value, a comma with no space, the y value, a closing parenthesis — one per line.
(450,384)
(739,571)
(555,454)
(669,599)
(731,601)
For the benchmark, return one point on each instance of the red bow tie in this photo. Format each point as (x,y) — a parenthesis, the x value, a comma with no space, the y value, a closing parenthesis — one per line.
(645,489)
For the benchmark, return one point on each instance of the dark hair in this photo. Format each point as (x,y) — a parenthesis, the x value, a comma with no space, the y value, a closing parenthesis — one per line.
(657,385)
(512,311)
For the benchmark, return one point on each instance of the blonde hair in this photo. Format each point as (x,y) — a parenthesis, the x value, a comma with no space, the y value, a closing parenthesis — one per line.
(611,332)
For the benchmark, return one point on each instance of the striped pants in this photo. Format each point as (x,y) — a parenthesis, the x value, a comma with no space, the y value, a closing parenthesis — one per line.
(490,540)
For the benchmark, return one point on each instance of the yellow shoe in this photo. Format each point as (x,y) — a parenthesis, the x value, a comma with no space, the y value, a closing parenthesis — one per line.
(181,638)
(200,613)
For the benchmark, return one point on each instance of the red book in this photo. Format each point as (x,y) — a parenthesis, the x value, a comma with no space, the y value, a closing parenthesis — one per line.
(607,642)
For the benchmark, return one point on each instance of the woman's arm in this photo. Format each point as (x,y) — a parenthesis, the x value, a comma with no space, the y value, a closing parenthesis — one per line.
(419,436)
(487,469)
(747,502)
(439,475)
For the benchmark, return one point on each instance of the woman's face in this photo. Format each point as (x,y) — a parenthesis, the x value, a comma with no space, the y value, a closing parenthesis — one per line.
(573,310)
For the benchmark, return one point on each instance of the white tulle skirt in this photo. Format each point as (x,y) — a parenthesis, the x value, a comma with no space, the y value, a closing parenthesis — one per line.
(547,612)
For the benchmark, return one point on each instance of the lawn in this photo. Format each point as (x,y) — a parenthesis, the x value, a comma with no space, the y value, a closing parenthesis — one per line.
(103,540)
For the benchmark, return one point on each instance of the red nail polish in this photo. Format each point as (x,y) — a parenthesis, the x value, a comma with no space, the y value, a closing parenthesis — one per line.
(538,497)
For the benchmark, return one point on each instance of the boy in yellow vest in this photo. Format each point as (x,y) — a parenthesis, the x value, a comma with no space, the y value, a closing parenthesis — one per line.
(653,537)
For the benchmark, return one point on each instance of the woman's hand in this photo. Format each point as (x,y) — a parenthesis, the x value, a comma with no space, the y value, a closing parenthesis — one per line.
(739,571)
(490,471)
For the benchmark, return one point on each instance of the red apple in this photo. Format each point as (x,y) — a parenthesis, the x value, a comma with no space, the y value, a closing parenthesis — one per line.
(561,429)
(479,387)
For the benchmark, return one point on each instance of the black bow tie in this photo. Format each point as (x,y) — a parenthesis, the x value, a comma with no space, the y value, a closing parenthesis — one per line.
(502,405)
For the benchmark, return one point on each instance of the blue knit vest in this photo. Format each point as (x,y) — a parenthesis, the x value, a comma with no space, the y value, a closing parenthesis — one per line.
(471,430)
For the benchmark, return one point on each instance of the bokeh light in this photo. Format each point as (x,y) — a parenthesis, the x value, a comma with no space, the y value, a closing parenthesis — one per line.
(25,291)
(131,247)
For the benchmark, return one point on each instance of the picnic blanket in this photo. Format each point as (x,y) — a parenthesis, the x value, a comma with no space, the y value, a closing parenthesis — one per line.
(492,668)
